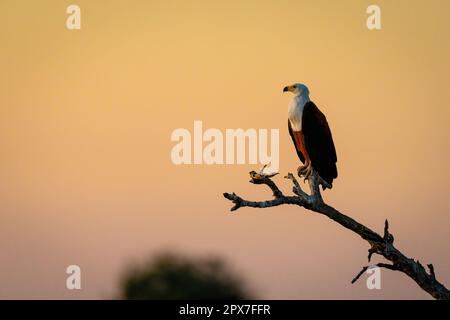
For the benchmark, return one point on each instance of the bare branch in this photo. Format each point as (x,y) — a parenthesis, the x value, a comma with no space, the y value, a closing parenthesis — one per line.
(297,189)
(380,265)
(258,178)
(360,274)
(383,246)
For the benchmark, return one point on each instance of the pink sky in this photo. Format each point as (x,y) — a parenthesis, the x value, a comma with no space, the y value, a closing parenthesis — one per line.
(86,117)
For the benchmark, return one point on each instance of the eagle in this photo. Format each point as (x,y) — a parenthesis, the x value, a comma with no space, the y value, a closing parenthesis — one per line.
(311,134)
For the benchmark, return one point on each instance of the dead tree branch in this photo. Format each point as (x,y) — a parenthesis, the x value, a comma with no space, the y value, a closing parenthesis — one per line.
(381,245)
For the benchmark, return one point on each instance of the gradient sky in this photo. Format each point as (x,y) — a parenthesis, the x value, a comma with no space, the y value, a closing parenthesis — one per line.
(86,118)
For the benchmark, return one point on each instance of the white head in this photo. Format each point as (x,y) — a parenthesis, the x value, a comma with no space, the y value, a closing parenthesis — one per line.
(298,89)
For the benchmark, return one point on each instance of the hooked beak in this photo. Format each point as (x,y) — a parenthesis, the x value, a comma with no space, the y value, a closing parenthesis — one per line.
(286,89)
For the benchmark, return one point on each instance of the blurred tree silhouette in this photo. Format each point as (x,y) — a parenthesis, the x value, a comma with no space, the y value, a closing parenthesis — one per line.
(171,276)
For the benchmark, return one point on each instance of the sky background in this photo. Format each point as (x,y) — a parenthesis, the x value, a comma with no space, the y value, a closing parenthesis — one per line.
(86,117)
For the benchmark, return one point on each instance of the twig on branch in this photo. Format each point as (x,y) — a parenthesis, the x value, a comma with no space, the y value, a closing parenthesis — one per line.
(383,246)
(379,265)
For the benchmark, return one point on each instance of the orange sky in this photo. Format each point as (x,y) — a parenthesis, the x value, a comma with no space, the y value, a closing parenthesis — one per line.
(86,118)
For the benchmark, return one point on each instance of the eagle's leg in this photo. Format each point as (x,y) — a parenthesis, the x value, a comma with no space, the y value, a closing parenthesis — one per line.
(306,170)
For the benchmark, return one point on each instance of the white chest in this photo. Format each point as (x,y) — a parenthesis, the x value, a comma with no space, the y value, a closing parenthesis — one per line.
(295,112)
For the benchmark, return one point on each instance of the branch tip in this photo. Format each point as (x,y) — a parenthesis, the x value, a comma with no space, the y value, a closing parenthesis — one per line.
(359,274)
(432,274)
(388,237)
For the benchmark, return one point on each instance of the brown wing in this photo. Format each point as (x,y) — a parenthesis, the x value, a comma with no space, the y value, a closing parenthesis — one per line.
(319,142)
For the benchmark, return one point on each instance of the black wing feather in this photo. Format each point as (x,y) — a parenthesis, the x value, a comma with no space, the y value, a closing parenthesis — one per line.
(319,142)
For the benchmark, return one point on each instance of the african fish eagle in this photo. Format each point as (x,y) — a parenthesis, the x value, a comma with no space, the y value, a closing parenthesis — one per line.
(311,135)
